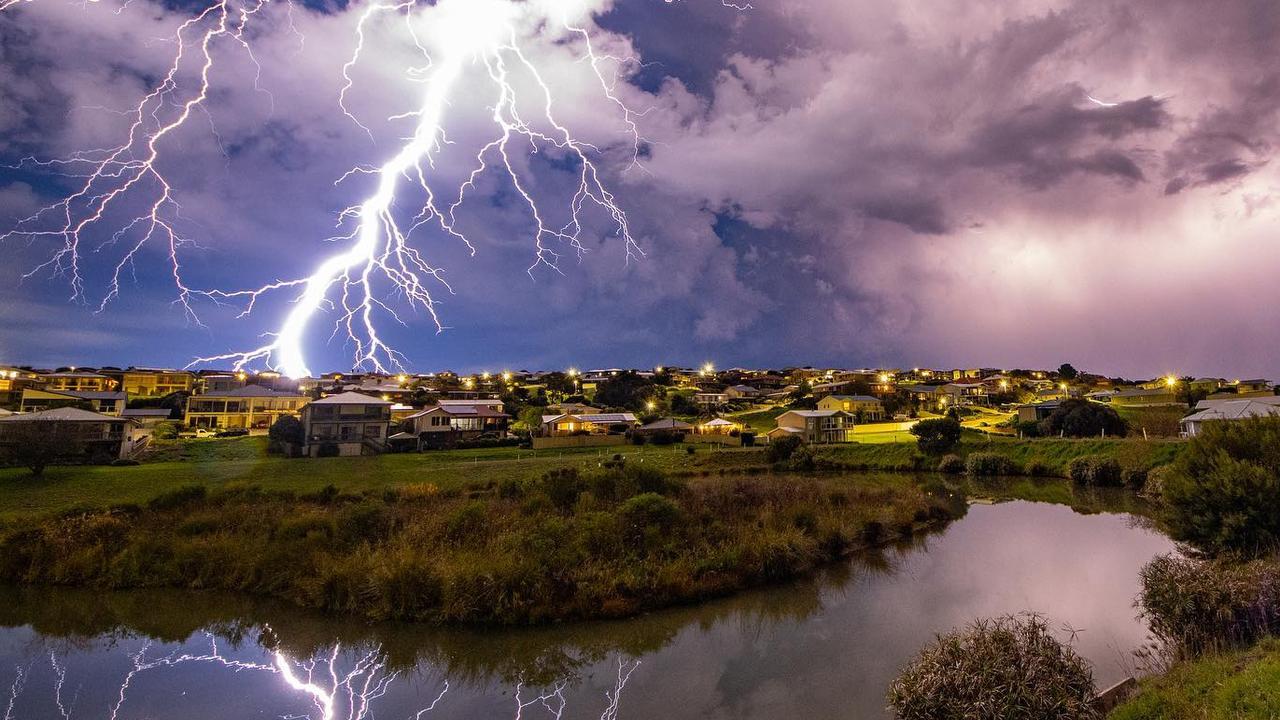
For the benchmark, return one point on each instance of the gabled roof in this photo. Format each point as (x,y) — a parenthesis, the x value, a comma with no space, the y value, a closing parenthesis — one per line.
(667,424)
(86,394)
(720,422)
(814,413)
(856,398)
(67,414)
(1235,410)
(350,398)
(600,419)
(481,411)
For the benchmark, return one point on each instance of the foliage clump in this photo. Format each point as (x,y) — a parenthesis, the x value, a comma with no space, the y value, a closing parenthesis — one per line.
(1096,471)
(1007,668)
(1195,605)
(1078,418)
(985,464)
(937,436)
(1223,493)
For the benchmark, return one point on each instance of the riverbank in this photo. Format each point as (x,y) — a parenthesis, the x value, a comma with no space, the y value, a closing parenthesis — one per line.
(214,464)
(1240,684)
(609,542)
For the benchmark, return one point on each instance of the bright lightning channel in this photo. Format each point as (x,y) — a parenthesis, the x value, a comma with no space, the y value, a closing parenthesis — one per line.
(378,259)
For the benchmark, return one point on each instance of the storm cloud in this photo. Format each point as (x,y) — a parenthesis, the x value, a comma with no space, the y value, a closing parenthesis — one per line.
(1013,182)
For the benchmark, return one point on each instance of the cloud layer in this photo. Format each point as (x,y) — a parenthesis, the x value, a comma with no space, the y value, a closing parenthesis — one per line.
(846,183)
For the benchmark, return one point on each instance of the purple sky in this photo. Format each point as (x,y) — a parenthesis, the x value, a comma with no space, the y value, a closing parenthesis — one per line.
(836,182)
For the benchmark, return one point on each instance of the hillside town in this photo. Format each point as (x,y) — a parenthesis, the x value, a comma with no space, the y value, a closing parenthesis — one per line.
(114,414)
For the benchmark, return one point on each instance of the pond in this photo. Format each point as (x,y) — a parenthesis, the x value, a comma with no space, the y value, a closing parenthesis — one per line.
(825,647)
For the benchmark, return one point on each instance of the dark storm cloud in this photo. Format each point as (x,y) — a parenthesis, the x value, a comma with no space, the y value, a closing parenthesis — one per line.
(831,181)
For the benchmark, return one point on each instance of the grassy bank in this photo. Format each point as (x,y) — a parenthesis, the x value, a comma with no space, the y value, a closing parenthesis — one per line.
(217,463)
(1229,686)
(566,545)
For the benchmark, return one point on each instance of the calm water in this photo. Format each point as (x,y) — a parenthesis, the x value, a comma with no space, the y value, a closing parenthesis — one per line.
(823,648)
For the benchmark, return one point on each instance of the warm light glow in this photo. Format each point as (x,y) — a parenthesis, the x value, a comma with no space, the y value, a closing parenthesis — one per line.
(402,379)
(651,406)
(885,377)
(506,376)
(1062,385)
(1004,384)
(573,372)
(659,369)
(241,376)
(1171,381)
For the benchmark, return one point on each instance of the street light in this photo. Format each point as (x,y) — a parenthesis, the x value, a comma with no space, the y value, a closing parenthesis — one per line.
(651,406)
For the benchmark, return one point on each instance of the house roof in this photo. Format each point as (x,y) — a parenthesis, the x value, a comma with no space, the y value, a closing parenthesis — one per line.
(857,398)
(719,422)
(251,391)
(350,398)
(88,394)
(75,374)
(67,414)
(1235,410)
(598,419)
(667,424)
(814,413)
(482,411)
(1211,403)
(145,412)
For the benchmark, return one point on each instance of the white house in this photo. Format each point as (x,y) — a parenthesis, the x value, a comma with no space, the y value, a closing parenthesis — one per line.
(1227,410)
(349,423)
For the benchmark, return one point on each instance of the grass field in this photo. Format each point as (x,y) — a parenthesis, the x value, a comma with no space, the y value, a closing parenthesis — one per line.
(1231,686)
(215,463)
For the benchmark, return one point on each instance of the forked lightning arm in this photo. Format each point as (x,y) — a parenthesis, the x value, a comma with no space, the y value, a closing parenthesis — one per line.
(375,260)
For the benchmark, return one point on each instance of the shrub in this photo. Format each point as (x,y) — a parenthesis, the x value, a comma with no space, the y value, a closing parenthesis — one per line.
(286,430)
(987,464)
(1037,468)
(802,459)
(1154,486)
(165,431)
(180,497)
(1196,605)
(1224,491)
(649,518)
(1083,418)
(1095,470)
(937,436)
(562,487)
(781,449)
(1009,668)
(951,464)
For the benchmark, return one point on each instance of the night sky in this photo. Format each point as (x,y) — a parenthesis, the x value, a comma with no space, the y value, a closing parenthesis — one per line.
(833,182)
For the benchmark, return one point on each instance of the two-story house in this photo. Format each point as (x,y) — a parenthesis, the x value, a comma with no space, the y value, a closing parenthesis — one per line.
(815,426)
(867,408)
(105,402)
(345,424)
(251,407)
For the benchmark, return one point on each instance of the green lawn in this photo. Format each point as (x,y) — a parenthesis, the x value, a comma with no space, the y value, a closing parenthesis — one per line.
(1231,686)
(214,463)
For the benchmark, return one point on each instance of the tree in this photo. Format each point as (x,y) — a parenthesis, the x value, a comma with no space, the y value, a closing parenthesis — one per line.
(937,436)
(286,430)
(1067,372)
(624,390)
(1083,418)
(37,444)
(1187,393)
(1223,491)
(531,418)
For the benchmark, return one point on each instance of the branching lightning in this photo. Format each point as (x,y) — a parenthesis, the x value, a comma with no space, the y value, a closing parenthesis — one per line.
(377,273)
(334,686)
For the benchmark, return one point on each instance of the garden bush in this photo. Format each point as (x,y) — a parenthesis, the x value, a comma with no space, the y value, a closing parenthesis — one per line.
(1096,471)
(781,449)
(1198,605)
(951,465)
(1008,668)
(1223,494)
(937,436)
(985,464)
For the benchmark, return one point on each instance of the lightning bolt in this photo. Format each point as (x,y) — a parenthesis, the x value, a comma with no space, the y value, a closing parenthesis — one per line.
(377,273)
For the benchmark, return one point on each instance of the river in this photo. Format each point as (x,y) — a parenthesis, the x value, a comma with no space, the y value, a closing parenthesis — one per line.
(825,647)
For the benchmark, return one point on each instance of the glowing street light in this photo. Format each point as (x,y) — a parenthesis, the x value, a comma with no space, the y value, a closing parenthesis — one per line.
(506,376)
(1171,381)
(651,406)
(573,372)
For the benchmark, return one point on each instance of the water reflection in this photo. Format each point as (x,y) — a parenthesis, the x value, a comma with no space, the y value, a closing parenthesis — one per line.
(823,647)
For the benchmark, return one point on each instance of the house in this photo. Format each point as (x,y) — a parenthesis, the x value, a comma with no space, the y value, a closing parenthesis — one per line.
(741,392)
(80,381)
(445,425)
(667,425)
(576,409)
(87,435)
(815,426)
(107,403)
(719,426)
(345,424)
(864,407)
(598,424)
(251,407)
(13,381)
(1253,386)
(221,382)
(149,382)
(942,397)
(1035,412)
(708,400)
(1145,397)
(1228,410)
